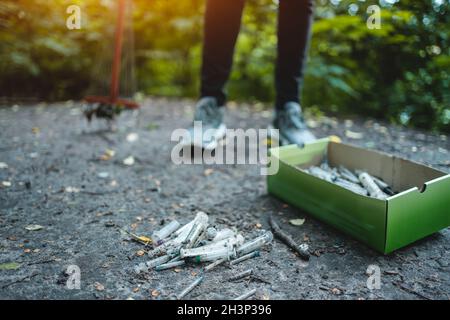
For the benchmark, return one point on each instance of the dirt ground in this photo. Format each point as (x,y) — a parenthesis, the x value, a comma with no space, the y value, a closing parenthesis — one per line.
(57,180)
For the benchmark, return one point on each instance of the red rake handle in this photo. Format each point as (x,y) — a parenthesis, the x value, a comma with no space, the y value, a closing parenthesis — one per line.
(113,98)
(115,75)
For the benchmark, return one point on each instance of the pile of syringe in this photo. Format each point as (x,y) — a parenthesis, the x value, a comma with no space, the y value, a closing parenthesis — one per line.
(197,242)
(357,181)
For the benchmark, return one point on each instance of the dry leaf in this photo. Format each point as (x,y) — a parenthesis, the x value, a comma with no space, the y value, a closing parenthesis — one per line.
(135,289)
(177,270)
(99,287)
(35,130)
(155,293)
(144,239)
(297,222)
(9,266)
(34,227)
(258,225)
(27,250)
(140,253)
(107,155)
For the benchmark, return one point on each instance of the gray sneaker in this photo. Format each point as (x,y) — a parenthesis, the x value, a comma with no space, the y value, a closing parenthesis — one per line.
(210,115)
(291,125)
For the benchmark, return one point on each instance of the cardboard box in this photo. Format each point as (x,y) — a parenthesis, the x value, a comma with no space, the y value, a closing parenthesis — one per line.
(421,207)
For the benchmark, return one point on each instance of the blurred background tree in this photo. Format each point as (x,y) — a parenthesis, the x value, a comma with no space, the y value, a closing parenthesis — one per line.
(399,72)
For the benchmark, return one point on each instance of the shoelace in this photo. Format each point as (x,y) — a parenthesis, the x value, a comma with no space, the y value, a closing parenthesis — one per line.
(204,112)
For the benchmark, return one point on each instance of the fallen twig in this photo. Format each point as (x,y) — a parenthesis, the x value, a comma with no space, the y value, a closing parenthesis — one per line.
(41,262)
(98,193)
(287,239)
(20,280)
(409,290)
(258,278)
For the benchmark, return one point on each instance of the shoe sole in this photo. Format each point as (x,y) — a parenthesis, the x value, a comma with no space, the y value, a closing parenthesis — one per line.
(219,134)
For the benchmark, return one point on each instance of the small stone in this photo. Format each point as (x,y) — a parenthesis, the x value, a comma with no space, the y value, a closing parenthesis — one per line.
(103,175)
(34,227)
(6,184)
(129,161)
(336,291)
(132,137)
(297,222)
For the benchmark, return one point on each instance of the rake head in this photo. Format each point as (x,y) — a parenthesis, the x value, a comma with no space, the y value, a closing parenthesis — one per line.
(106,108)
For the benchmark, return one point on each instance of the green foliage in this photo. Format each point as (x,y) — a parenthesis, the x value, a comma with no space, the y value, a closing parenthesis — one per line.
(399,72)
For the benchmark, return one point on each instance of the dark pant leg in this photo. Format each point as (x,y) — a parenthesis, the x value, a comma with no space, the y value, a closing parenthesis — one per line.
(222,24)
(294,23)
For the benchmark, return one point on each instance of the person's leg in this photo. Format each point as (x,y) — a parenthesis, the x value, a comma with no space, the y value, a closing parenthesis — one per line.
(294,23)
(222,24)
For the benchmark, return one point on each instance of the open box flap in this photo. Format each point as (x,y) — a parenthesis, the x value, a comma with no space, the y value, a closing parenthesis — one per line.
(417,213)
(311,153)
